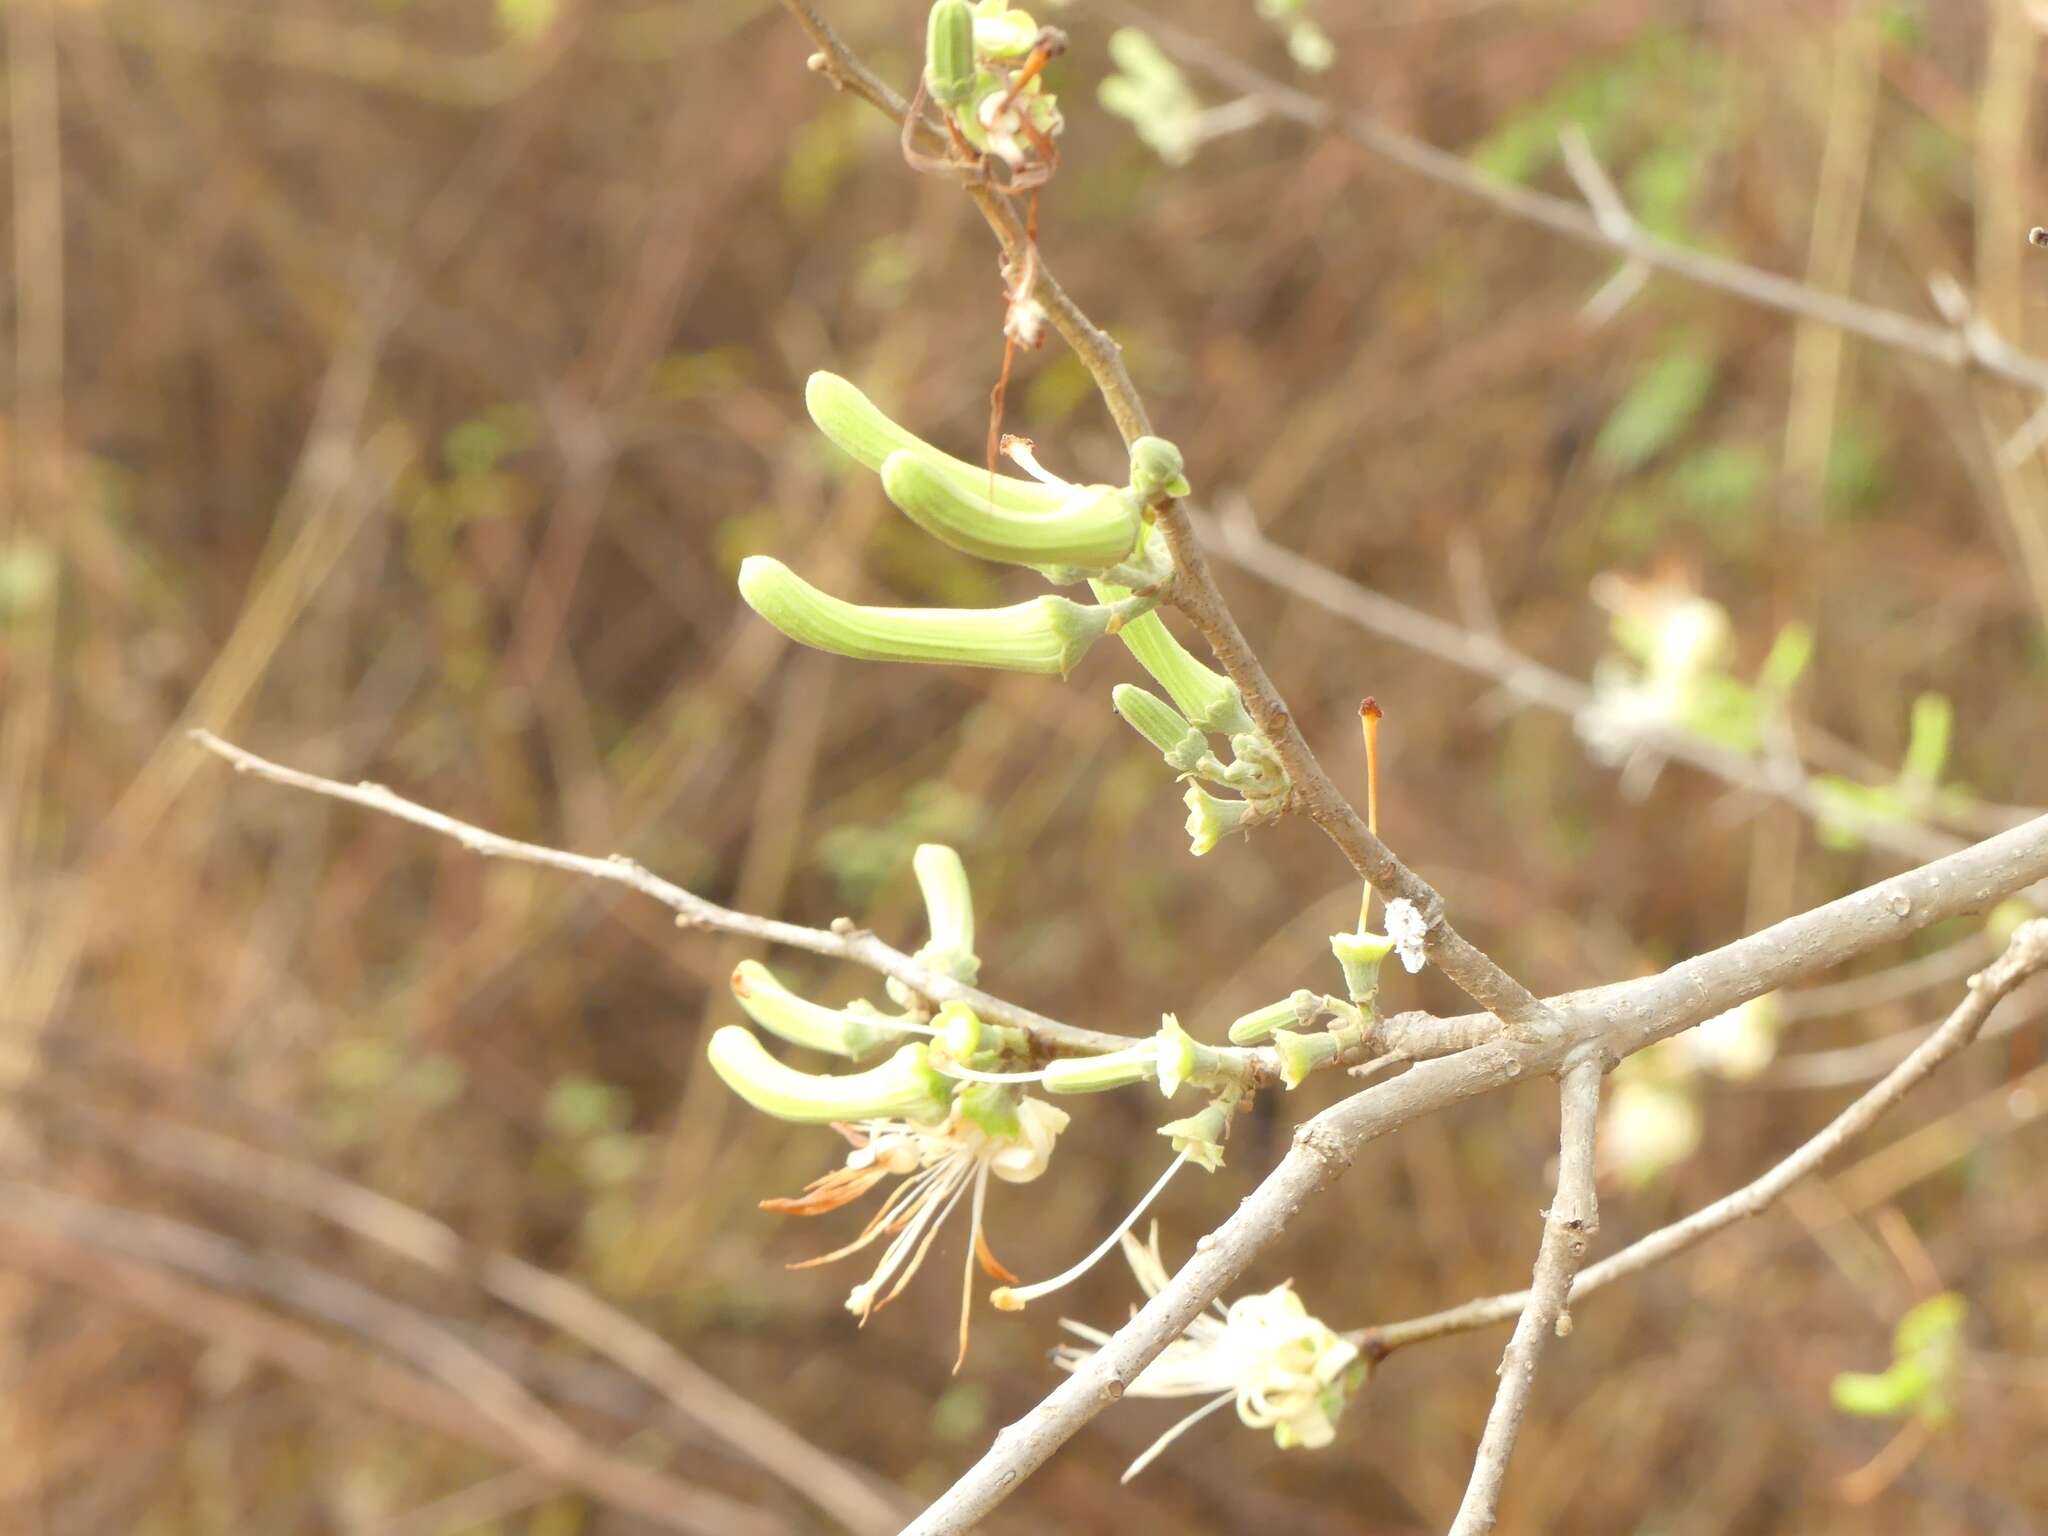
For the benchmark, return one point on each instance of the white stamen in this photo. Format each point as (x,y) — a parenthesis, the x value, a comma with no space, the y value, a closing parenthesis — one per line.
(1017,1296)
(1173,1434)
(1021,451)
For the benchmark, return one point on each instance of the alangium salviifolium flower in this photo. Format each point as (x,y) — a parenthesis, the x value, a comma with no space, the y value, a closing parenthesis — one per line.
(1285,1370)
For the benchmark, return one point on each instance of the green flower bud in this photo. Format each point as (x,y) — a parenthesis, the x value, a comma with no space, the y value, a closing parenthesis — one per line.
(1157,469)
(949,910)
(1300,1054)
(959,1032)
(1046,634)
(838,1032)
(852,421)
(905,1085)
(992,1107)
(1208,699)
(1179,743)
(949,52)
(1200,1136)
(1297,1010)
(1360,954)
(1210,820)
(1098,1074)
(1093,528)
(1256,772)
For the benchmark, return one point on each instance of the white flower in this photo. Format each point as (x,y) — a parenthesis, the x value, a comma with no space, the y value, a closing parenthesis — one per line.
(1285,1370)
(1647,1126)
(1737,1044)
(1408,931)
(940,1165)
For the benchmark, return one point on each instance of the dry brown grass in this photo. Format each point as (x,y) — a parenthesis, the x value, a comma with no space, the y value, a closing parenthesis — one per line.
(415,398)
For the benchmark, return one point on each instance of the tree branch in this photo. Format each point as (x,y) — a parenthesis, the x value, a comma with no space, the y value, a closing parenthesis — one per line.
(843,941)
(1573,1217)
(1195,593)
(2026,955)
(1614,1020)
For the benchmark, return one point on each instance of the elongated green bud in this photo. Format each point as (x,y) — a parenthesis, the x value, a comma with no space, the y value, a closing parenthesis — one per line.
(905,1085)
(800,1021)
(1360,954)
(858,426)
(1157,469)
(1179,743)
(1092,529)
(1047,634)
(1297,1010)
(1208,699)
(959,1032)
(1300,1054)
(949,52)
(948,910)
(1099,1074)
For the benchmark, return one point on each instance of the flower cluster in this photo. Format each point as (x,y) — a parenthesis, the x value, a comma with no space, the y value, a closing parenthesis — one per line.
(1670,674)
(984,66)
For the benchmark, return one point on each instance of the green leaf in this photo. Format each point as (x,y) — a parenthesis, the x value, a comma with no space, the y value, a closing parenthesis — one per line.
(1889,1395)
(1660,403)
(1927,741)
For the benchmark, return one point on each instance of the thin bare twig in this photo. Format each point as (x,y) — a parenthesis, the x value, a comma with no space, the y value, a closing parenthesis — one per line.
(843,941)
(2024,956)
(1239,540)
(204,1310)
(1965,343)
(735,1422)
(1573,1217)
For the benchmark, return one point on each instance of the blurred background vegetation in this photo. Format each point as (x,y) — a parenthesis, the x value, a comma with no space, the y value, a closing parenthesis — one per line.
(394,387)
